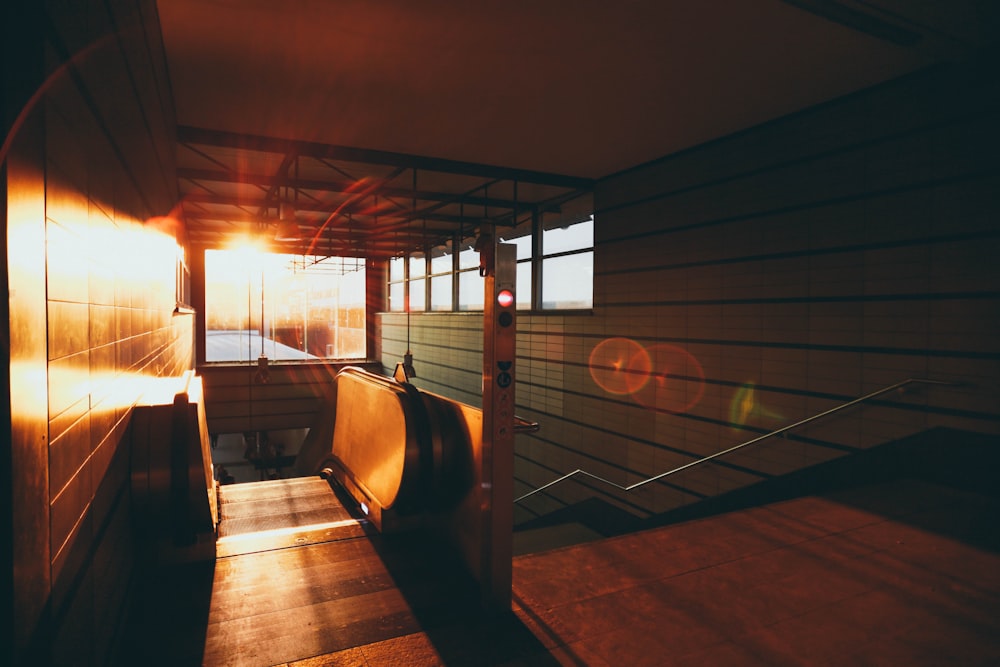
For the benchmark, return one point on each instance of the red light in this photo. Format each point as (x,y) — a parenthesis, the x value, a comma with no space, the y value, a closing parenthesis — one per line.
(505,298)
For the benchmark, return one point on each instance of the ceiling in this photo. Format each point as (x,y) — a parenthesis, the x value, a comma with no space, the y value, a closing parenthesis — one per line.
(391,125)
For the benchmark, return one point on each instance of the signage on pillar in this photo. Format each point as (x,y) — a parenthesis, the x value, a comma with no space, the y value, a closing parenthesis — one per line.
(504,332)
(504,378)
(499,380)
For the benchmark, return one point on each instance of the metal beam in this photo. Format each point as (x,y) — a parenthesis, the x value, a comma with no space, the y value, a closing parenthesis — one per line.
(345,185)
(357,211)
(193,135)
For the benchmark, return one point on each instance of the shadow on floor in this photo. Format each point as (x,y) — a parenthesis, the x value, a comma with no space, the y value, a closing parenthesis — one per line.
(448,624)
(963,461)
(168,621)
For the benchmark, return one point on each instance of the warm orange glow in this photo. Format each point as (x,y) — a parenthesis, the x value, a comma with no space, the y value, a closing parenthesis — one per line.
(619,365)
(678,380)
(360,190)
(662,377)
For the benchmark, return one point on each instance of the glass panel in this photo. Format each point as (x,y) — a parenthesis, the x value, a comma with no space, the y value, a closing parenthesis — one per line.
(470,290)
(564,239)
(441,261)
(287,307)
(524,286)
(521,237)
(441,292)
(468,258)
(418,292)
(418,266)
(568,281)
(396,297)
(396,269)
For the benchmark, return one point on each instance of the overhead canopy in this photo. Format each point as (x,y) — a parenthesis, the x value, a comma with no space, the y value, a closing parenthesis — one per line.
(392,125)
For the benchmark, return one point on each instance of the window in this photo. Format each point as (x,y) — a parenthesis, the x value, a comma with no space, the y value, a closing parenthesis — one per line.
(442,272)
(521,237)
(285,307)
(555,269)
(417,282)
(397,284)
(568,266)
(470,283)
(183,279)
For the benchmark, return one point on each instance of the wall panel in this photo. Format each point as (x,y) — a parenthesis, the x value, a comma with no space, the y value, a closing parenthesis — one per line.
(768,276)
(105,279)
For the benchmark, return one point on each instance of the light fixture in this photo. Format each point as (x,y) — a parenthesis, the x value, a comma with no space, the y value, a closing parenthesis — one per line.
(288,229)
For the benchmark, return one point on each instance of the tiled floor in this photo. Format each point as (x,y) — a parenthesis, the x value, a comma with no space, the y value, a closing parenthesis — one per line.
(902,573)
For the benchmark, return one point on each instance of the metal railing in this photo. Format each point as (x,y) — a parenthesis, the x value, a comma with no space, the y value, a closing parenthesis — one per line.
(753,441)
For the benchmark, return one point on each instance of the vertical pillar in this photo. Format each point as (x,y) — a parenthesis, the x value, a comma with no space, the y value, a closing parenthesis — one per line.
(499,329)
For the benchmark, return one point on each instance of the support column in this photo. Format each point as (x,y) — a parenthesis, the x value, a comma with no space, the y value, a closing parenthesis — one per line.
(497,491)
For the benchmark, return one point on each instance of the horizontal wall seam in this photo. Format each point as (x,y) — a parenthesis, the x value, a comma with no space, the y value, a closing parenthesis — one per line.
(842,101)
(857,349)
(812,252)
(805,159)
(795,208)
(847,298)
(839,398)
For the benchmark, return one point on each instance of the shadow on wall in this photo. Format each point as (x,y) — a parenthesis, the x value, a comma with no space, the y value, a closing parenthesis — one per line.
(667,378)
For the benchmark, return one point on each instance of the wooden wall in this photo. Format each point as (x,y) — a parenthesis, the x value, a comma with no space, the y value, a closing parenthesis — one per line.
(238,400)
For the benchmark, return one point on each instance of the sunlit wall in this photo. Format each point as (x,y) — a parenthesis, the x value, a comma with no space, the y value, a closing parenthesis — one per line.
(101,155)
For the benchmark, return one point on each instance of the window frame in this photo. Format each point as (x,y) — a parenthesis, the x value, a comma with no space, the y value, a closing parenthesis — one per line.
(460,243)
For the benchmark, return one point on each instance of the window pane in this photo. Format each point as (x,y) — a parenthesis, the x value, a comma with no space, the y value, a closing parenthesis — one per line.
(440,260)
(418,266)
(441,292)
(567,282)
(521,237)
(287,307)
(468,258)
(418,290)
(395,269)
(564,239)
(524,285)
(396,297)
(470,290)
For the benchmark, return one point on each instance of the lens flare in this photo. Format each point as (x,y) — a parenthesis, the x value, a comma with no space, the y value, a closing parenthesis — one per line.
(746,406)
(619,365)
(676,380)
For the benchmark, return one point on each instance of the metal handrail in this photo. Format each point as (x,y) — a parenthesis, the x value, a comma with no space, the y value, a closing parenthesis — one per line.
(825,413)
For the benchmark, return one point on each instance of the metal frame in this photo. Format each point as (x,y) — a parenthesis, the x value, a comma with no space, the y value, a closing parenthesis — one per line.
(350,201)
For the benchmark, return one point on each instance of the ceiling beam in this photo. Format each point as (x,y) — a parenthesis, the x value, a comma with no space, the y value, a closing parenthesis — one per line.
(345,186)
(354,210)
(193,135)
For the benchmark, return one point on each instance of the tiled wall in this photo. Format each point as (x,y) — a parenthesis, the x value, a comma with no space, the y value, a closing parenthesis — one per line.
(110,258)
(753,282)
